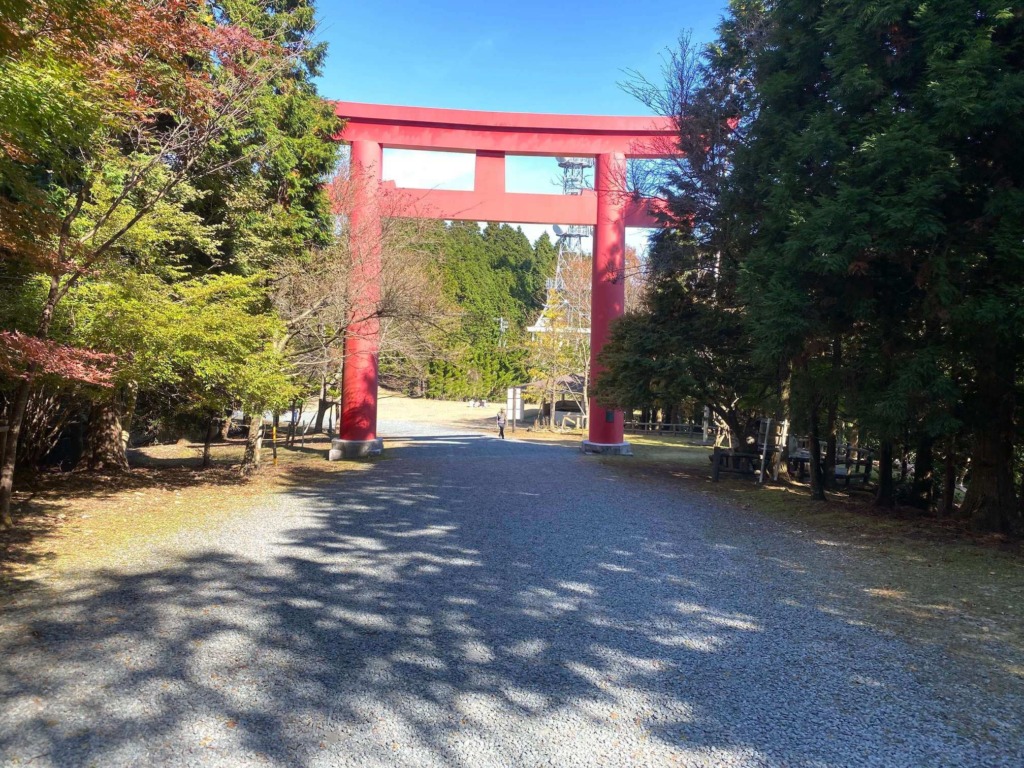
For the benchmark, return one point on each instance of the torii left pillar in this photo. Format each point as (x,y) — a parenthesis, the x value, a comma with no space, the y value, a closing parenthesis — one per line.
(358,433)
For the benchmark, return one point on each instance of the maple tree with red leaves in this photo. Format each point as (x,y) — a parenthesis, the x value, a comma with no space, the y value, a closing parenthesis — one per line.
(24,357)
(112,105)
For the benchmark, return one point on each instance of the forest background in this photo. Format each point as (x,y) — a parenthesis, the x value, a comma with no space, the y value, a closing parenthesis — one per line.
(846,251)
(173,237)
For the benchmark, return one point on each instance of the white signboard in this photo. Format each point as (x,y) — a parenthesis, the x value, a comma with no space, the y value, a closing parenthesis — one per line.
(514,403)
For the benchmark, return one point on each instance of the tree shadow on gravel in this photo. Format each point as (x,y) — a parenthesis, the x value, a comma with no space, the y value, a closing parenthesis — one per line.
(929,582)
(453,606)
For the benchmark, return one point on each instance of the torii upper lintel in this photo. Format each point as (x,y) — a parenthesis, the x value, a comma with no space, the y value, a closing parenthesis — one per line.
(492,136)
(514,133)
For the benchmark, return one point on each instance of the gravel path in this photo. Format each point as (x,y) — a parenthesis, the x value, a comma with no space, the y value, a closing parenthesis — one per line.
(474,602)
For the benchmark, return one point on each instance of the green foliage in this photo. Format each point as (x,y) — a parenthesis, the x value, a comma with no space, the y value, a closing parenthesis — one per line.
(157,241)
(273,205)
(488,275)
(155,160)
(690,343)
(199,345)
(879,180)
(855,248)
(50,106)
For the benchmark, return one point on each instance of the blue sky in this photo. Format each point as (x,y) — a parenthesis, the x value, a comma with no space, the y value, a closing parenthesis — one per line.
(518,57)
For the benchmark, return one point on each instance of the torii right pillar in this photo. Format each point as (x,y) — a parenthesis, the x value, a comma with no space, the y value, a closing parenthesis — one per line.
(608,294)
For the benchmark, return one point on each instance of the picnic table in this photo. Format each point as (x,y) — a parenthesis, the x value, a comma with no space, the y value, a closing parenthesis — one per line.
(740,462)
(854,462)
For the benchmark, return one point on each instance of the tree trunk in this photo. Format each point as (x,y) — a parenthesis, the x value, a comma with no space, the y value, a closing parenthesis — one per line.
(831,448)
(832,445)
(104,442)
(10,453)
(736,432)
(554,400)
(1020,498)
(923,491)
(949,479)
(17,412)
(296,414)
(321,411)
(225,427)
(253,444)
(586,398)
(991,501)
(831,438)
(131,399)
(782,455)
(321,407)
(886,489)
(814,449)
(211,431)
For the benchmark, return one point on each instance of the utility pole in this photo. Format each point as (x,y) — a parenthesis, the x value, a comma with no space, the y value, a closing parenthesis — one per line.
(502,329)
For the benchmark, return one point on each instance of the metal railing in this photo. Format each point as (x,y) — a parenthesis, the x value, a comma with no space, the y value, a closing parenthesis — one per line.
(657,426)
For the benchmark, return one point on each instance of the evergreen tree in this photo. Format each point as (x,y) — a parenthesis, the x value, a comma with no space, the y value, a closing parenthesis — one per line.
(488,275)
(690,343)
(876,181)
(132,122)
(275,205)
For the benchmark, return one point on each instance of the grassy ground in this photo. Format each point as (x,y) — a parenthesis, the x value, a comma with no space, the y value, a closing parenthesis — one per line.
(72,521)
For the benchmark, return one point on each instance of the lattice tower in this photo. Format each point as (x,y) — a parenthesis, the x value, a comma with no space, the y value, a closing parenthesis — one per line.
(570,250)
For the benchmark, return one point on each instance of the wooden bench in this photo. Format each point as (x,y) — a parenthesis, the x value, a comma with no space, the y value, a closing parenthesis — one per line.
(739,462)
(853,463)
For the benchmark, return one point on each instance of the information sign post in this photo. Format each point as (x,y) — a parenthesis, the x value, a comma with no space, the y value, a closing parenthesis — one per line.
(514,405)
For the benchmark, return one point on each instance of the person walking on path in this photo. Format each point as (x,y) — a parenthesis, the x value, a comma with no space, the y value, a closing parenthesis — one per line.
(501,423)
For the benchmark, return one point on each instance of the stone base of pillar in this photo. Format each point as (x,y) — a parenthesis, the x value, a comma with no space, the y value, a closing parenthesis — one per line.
(354,449)
(607,449)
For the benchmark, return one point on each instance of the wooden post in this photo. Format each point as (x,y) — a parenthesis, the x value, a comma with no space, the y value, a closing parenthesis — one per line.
(948,481)
(783,449)
(716,458)
(764,451)
(3,440)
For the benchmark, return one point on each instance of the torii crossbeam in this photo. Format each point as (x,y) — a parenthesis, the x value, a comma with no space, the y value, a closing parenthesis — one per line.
(609,208)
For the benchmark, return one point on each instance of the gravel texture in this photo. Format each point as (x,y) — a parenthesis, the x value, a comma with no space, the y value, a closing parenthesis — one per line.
(473,602)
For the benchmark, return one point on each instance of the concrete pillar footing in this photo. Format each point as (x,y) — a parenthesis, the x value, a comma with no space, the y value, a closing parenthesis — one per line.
(355,449)
(606,449)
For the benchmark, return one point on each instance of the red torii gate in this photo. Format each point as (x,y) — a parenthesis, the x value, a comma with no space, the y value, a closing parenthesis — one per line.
(609,208)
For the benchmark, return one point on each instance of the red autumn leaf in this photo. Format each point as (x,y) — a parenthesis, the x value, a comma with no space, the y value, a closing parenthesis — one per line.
(25,357)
